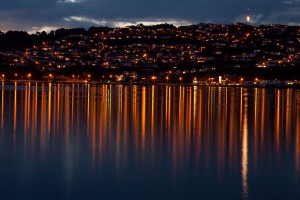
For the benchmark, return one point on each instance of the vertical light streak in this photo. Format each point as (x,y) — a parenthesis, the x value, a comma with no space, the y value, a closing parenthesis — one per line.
(119,117)
(232,130)
(255,126)
(34,108)
(263,111)
(168,112)
(43,111)
(297,136)
(55,110)
(92,122)
(277,121)
(2,105)
(67,116)
(152,116)
(244,163)
(15,113)
(49,107)
(143,120)
(126,121)
(72,104)
(88,106)
(288,116)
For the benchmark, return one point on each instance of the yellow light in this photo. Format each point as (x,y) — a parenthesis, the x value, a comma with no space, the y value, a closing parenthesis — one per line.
(3,75)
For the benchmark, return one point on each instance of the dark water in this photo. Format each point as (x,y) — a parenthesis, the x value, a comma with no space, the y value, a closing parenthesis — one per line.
(132,142)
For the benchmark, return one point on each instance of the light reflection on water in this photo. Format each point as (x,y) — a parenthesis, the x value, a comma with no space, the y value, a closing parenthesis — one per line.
(153,142)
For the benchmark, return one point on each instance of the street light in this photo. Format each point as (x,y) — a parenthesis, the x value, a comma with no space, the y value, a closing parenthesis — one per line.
(167,78)
(180,78)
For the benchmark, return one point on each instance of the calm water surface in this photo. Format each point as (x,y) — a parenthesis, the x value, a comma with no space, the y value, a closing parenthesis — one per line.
(71,141)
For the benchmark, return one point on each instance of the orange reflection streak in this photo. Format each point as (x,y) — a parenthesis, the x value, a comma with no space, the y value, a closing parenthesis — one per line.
(92,122)
(221,118)
(255,127)
(143,121)
(66,106)
(178,138)
(26,114)
(199,124)
(49,108)
(126,121)
(54,120)
(168,112)
(88,105)
(233,139)
(43,112)
(297,136)
(134,122)
(188,123)
(15,114)
(288,117)
(58,108)
(277,120)
(208,123)
(119,116)
(152,117)
(195,130)
(194,109)
(262,119)
(102,123)
(244,162)
(2,106)
(72,104)
(44,118)
(34,116)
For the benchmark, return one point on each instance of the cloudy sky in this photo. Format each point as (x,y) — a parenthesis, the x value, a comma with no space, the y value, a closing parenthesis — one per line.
(37,15)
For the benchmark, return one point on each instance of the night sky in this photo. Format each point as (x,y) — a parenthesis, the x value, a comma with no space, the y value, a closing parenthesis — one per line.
(38,15)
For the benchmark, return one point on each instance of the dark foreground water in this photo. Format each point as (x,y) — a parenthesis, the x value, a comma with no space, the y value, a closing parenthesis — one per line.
(156,142)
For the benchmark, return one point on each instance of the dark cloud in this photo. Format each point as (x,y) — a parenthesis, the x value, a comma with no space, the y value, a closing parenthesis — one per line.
(26,14)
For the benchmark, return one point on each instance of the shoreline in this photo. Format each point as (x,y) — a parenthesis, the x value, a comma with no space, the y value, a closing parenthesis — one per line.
(6,82)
